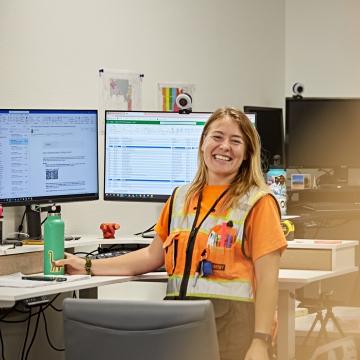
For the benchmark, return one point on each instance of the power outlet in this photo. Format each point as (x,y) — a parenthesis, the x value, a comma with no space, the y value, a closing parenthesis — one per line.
(36,301)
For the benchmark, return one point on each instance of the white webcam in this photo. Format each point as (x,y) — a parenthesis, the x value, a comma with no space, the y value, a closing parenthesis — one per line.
(298,89)
(184,102)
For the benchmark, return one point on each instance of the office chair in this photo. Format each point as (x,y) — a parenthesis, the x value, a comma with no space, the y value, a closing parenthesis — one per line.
(139,330)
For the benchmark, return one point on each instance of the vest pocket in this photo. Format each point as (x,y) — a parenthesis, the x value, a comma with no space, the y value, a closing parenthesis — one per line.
(223,261)
(170,247)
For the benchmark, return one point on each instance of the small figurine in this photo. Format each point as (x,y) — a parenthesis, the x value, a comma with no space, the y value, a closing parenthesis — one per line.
(109,229)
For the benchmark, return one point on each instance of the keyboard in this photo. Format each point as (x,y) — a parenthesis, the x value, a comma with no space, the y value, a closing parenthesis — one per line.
(111,253)
(331,206)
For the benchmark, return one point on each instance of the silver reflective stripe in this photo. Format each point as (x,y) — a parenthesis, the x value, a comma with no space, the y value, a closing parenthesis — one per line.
(236,289)
(225,289)
(238,215)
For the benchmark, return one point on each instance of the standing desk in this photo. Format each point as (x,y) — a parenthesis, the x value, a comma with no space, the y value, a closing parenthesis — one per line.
(289,281)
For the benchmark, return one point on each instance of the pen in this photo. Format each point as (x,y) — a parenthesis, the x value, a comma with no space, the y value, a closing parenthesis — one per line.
(44,278)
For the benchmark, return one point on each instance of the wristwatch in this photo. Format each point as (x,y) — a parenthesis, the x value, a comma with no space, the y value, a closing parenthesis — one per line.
(264,337)
(88,265)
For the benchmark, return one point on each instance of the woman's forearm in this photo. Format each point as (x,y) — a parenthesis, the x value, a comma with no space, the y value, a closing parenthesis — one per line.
(267,272)
(133,263)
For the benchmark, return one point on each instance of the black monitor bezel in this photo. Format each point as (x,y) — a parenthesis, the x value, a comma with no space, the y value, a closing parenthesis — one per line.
(61,198)
(255,109)
(149,199)
(336,165)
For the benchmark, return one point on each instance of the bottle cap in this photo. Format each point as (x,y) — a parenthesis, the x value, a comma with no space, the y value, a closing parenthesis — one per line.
(54,209)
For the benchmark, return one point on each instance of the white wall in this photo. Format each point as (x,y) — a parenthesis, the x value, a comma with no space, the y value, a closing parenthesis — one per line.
(51,52)
(322,47)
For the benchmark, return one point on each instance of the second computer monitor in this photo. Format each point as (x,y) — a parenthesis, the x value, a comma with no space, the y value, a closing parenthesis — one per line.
(147,153)
(270,126)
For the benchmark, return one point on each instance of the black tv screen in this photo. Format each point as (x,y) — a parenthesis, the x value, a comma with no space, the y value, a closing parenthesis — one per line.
(322,133)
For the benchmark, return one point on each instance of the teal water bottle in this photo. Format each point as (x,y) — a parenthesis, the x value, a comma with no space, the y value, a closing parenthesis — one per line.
(54,230)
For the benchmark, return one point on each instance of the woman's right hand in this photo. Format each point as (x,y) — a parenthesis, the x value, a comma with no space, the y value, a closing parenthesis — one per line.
(74,265)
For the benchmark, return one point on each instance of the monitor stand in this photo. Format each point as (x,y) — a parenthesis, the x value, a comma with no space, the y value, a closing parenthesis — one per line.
(33,220)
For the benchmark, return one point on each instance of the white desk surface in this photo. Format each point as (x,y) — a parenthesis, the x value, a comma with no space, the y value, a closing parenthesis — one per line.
(288,281)
(9,295)
(293,279)
(321,244)
(85,240)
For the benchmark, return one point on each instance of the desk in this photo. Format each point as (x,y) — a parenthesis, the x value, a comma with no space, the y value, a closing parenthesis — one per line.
(9,295)
(28,259)
(289,281)
(85,240)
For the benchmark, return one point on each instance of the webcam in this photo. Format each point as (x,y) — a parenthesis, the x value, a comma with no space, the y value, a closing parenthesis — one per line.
(298,89)
(184,103)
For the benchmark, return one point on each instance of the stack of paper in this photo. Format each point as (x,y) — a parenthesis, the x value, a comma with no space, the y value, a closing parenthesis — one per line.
(15,280)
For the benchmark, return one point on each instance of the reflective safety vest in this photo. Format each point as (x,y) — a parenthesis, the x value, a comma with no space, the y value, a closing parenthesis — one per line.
(210,264)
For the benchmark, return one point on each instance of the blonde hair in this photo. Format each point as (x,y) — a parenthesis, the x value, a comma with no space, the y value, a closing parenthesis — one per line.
(249,173)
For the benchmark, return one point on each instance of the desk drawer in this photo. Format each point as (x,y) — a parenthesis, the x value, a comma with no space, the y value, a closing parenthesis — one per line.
(27,263)
(318,259)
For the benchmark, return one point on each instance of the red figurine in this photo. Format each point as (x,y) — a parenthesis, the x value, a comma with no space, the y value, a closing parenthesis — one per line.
(109,229)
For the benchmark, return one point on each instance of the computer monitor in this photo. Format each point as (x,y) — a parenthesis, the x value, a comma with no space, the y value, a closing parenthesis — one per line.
(251,117)
(48,156)
(148,153)
(270,126)
(323,133)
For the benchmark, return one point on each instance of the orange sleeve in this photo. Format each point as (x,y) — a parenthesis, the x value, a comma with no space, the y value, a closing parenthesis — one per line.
(161,227)
(263,229)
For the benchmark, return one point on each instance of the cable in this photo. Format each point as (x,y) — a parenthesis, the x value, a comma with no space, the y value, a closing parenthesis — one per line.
(34,334)
(84,253)
(1,337)
(26,336)
(26,312)
(55,308)
(47,334)
(151,228)
(28,319)
(2,346)
(20,227)
(7,312)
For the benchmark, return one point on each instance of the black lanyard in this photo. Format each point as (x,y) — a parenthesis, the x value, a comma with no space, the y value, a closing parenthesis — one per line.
(191,242)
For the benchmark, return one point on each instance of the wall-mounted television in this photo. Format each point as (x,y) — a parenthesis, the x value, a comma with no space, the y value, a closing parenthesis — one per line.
(323,133)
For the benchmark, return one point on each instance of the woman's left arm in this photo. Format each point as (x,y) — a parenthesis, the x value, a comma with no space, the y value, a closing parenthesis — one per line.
(266,274)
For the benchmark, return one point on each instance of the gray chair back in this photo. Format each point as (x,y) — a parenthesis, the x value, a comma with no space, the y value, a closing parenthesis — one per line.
(139,330)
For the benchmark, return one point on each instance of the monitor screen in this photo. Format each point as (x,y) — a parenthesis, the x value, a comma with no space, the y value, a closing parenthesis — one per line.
(48,156)
(251,117)
(270,125)
(147,154)
(322,133)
